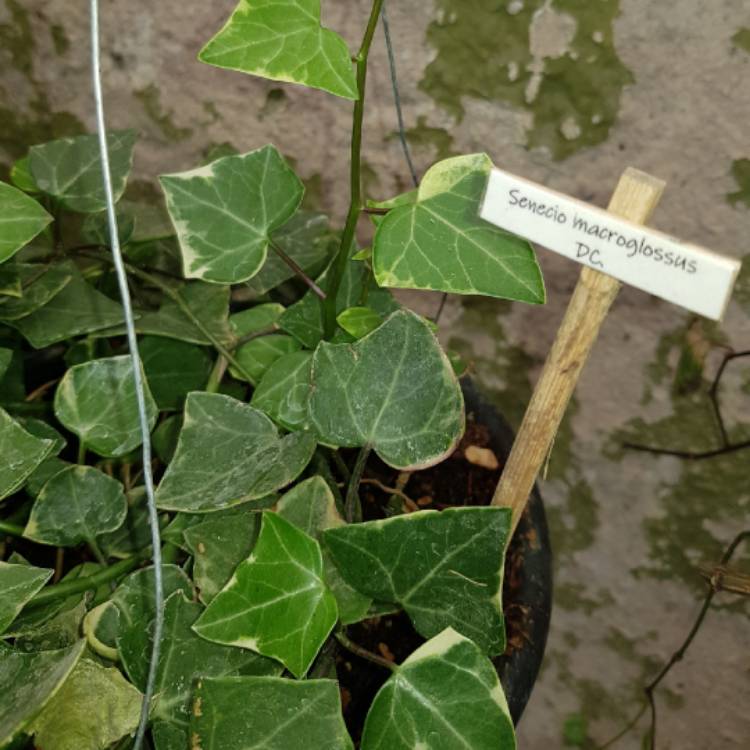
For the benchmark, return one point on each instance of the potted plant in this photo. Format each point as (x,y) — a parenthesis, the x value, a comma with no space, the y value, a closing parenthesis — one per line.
(296,409)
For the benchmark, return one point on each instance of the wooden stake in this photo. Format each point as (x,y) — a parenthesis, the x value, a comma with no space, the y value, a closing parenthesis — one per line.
(635,199)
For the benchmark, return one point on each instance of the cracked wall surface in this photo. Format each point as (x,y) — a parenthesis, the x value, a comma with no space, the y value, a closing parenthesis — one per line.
(567,93)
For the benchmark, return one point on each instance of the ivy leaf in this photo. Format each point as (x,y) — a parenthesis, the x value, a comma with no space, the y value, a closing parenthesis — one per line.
(173,369)
(258,355)
(21,219)
(439,242)
(21,177)
(305,239)
(28,682)
(452,576)
(43,473)
(95,707)
(76,309)
(184,658)
(218,545)
(255,319)
(359,321)
(18,583)
(41,429)
(225,212)
(311,507)
(76,505)
(238,713)
(59,631)
(284,391)
(393,390)
(134,533)
(276,603)
(229,453)
(96,400)
(447,689)
(22,452)
(284,40)
(70,169)
(134,602)
(10,281)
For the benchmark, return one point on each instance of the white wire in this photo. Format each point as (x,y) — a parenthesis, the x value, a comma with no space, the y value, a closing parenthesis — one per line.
(137,378)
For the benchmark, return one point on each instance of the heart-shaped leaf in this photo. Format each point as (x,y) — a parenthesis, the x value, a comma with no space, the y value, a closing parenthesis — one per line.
(218,544)
(18,583)
(359,321)
(40,283)
(256,319)
(276,603)
(452,576)
(28,681)
(22,452)
(447,689)
(184,658)
(258,355)
(70,169)
(310,506)
(284,391)
(393,390)
(439,242)
(134,534)
(21,219)
(95,707)
(96,400)
(283,40)
(225,212)
(76,505)
(229,453)
(234,713)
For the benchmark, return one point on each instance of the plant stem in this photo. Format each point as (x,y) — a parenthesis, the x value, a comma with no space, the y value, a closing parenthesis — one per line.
(79,585)
(355,205)
(81,459)
(96,551)
(363,653)
(169,553)
(217,373)
(297,270)
(11,529)
(352,504)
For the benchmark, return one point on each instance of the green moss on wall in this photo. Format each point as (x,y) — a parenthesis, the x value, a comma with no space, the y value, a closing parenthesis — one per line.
(741,174)
(501,51)
(150,98)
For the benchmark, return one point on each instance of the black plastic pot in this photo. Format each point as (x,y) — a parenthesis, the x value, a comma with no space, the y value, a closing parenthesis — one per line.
(533,591)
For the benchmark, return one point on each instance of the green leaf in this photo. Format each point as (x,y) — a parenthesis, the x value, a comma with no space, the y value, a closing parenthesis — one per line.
(21,219)
(134,533)
(445,695)
(10,280)
(134,600)
(284,391)
(61,630)
(256,319)
(41,429)
(20,176)
(70,169)
(173,369)
(22,452)
(95,707)
(393,390)
(5,357)
(239,713)
(304,319)
(209,303)
(276,603)
(229,453)
(258,355)
(40,283)
(28,682)
(359,321)
(78,308)
(95,228)
(18,583)
(452,576)
(96,400)
(306,240)
(76,505)
(439,242)
(311,506)
(218,545)
(184,658)
(225,212)
(164,437)
(43,473)
(284,40)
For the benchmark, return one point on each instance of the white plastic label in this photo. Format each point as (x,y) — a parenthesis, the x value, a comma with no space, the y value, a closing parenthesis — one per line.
(687,275)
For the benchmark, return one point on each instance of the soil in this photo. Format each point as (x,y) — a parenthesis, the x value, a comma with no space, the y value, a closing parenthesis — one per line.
(456,481)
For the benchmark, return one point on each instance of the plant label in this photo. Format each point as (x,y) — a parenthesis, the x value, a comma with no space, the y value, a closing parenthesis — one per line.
(687,275)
